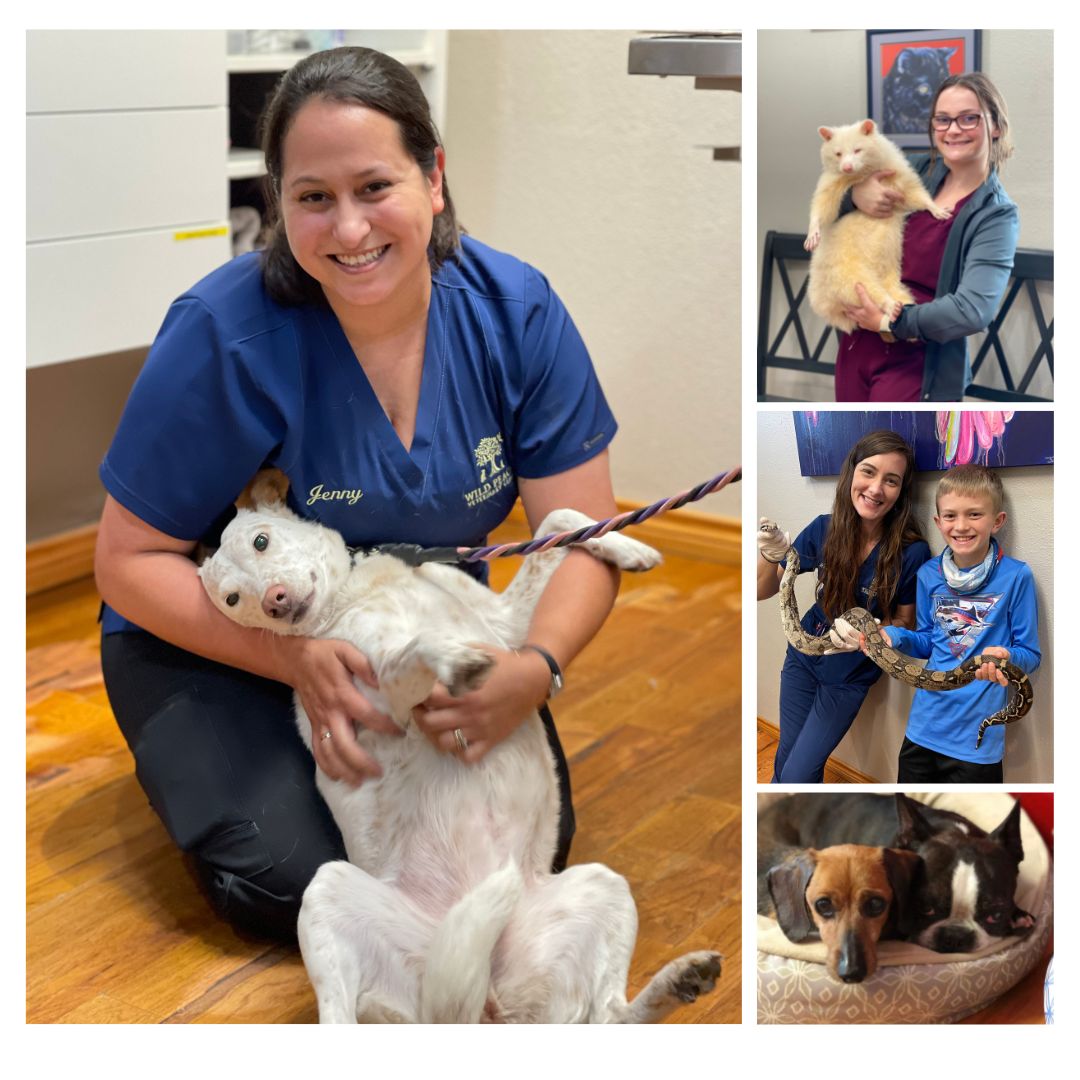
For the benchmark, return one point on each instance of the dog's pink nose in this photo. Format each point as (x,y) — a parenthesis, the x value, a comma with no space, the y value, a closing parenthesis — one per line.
(848,168)
(277,602)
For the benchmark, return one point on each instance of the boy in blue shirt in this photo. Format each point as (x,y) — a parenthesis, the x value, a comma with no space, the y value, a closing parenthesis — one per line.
(971,599)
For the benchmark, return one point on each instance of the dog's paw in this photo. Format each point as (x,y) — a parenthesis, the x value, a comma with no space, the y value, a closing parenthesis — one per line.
(624,552)
(813,238)
(694,974)
(942,213)
(462,668)
(1022,922)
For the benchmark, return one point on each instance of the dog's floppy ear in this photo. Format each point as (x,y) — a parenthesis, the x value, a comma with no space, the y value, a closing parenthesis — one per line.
(266,489)
(901,868)
(911,825)
(787,887)
(1007,834)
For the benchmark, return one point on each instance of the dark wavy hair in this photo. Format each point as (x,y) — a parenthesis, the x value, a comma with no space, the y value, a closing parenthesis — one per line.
(841,557)
(994,110)
(351,75)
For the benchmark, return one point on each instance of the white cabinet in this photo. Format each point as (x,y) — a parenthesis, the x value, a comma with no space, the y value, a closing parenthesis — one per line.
(129,168)
(91,70)
(127,144)
(105,294)
(109,172)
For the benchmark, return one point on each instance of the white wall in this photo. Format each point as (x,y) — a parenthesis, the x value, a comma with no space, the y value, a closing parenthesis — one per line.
(807,78)
(605,182)
(873,742)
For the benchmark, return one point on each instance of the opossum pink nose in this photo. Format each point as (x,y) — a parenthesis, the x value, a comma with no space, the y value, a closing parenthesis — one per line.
(277,602)
(848,168)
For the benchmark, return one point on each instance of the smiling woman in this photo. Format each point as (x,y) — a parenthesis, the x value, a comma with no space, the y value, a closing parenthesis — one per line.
(866,553)
(956,269)
(390,368)
(357,211)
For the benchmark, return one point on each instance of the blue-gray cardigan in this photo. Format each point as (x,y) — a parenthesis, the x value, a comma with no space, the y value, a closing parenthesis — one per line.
(975,271)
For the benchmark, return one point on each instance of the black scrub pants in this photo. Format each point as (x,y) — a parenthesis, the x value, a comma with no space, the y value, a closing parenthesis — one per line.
(219,757)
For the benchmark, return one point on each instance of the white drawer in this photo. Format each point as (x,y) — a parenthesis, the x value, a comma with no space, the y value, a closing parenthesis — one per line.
(85,70)
(96,173)
(87,297)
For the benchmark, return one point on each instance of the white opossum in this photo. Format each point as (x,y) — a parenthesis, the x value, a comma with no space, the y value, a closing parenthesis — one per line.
(858,248)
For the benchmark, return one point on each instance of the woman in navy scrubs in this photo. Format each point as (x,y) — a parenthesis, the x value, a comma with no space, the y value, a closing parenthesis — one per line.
(411,383)
(866,554)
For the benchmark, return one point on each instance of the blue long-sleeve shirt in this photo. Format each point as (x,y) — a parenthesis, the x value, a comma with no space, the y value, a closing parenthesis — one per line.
(950,627)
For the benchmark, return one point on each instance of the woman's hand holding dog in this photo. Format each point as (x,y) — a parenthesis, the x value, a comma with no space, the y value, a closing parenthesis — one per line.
(321,672)
(516,685)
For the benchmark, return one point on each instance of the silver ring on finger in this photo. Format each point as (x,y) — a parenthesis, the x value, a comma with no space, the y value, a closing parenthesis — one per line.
(328,734)
(460,740)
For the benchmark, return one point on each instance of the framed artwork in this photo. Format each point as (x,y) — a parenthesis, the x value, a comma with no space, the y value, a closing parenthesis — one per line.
(941,439)
(904,68)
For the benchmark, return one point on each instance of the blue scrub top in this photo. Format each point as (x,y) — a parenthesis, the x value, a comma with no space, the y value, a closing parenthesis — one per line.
(850,667)
(235,382)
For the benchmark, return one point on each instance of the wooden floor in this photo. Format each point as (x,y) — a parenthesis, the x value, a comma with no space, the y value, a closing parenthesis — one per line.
(835,773)
(118,932)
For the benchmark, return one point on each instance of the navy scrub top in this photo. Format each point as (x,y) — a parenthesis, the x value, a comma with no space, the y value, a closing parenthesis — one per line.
(235,382)
(850,667)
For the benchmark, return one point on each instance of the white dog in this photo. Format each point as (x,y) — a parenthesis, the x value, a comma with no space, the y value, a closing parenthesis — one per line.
(447,910)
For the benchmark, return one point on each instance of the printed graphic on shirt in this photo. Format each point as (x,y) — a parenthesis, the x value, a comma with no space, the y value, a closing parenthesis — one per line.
(493,472)
(319,494)
(963,619)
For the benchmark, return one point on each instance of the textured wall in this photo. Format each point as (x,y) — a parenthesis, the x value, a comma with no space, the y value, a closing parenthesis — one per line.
(874,739)
(809,78)
(605,182)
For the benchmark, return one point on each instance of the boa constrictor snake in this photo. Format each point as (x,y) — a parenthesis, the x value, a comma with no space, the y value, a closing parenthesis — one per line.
(896,663)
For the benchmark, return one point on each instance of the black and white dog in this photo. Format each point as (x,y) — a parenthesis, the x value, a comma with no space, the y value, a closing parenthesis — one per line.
(962,893)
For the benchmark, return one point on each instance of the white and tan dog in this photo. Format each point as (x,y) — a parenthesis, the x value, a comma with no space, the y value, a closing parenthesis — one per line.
(447,910)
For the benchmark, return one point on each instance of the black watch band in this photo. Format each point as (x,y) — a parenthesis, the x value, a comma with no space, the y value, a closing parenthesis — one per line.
(556,672)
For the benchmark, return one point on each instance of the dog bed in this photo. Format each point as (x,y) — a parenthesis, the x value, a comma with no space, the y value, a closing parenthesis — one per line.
(912,985)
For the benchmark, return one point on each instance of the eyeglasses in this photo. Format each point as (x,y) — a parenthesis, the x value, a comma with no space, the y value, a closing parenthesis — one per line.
(967,122)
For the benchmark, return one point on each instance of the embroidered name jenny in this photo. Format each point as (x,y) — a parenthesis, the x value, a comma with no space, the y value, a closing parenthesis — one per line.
(317,494)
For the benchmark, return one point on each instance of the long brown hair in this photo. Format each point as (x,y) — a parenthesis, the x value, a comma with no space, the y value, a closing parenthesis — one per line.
(352,75)
(841,557)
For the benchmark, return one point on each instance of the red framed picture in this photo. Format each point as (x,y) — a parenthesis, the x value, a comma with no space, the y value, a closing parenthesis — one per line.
(904,68)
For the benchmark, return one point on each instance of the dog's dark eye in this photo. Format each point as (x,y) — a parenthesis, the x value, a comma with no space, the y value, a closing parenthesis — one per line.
(824,907)
(874,906)
(232,599)
(261,542)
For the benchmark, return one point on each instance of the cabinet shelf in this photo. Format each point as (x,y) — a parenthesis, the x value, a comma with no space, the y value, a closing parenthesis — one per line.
(245,163)
(246,63)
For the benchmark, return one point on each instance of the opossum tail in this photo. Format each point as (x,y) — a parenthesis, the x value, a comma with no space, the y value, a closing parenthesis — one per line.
(454,988)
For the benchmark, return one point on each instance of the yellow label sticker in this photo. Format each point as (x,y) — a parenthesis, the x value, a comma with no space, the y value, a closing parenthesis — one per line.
(196,234)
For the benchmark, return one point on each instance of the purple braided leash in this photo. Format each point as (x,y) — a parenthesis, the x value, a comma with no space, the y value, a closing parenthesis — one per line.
(599,528)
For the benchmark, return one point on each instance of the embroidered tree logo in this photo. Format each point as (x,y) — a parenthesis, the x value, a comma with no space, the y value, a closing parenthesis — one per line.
(489,453)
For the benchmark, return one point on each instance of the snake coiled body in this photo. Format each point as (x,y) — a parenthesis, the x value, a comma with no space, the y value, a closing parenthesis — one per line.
(896,663)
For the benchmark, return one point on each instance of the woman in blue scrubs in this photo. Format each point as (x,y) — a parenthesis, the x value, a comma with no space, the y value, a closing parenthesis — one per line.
(866,554)
(411,383)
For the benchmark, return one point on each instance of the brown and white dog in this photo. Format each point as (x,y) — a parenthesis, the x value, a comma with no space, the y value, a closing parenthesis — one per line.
(960,893)
(848,896)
